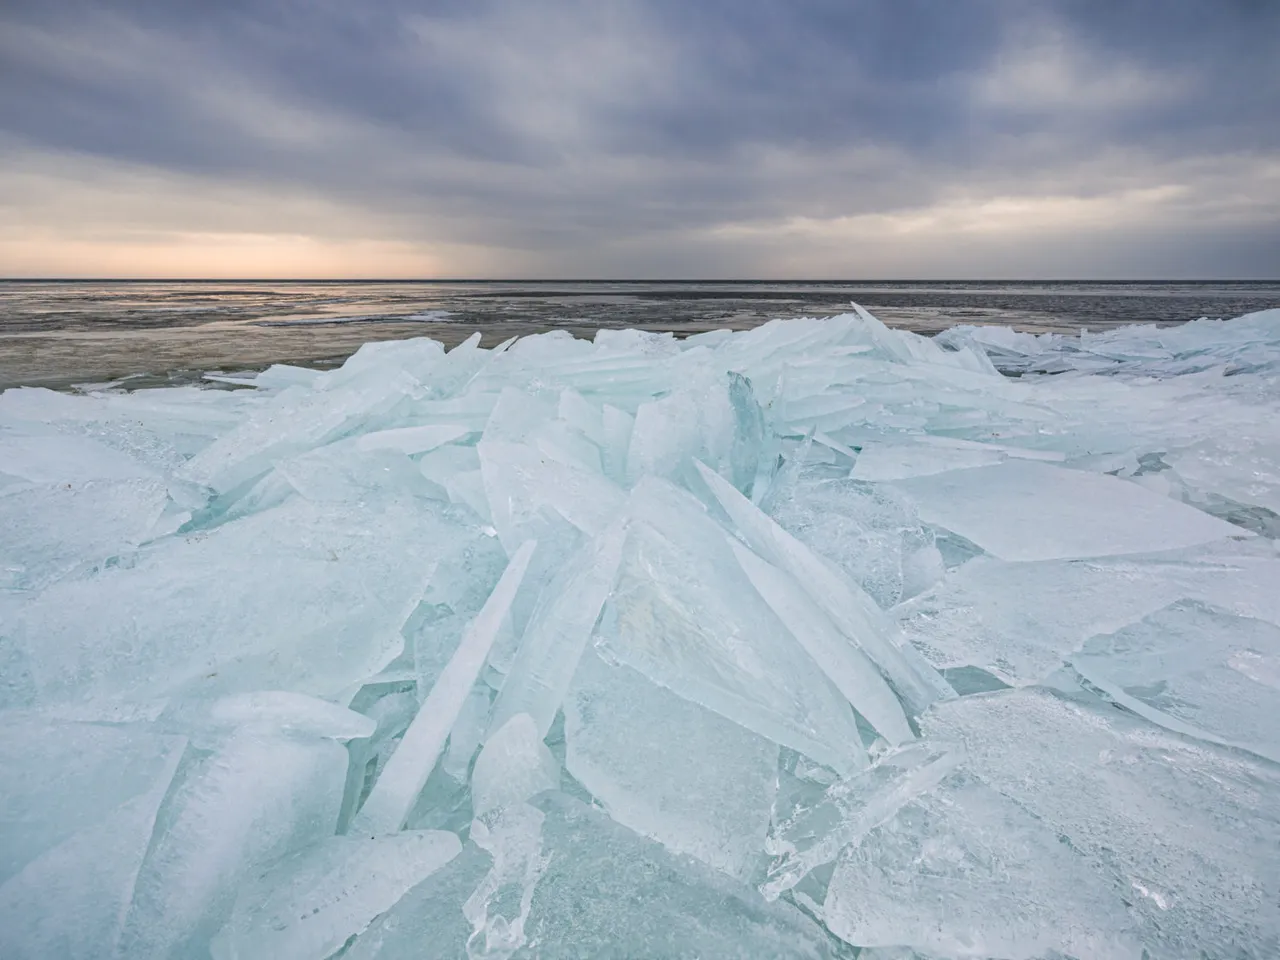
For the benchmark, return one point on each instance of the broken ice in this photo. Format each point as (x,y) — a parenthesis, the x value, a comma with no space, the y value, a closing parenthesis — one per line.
(806,641)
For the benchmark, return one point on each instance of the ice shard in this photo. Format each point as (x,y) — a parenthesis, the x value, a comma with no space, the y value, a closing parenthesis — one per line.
(558,631)
(1024,510)
(312,902)
(405,774)
(849,609)
(836,642)
(669,769)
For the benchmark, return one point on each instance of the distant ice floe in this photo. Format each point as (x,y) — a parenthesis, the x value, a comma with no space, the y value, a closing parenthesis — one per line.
(773,643)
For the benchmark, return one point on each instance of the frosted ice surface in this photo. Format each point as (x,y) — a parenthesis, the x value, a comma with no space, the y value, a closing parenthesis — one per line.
(60,458)
(291,713)
(53,529)
(882,461)
(196,612)
(669,769)
(1022,621)
(1023,510)
(584,903)
(499,906)
(1186,830)
(962,871)
(815,833)
(852,644)
(1194,670)
(256,799)
(312,902)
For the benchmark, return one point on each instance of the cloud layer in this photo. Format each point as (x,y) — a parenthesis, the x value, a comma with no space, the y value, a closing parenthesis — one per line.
(567,138)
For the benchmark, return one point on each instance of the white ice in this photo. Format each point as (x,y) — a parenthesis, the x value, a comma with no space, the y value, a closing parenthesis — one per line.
(834,639)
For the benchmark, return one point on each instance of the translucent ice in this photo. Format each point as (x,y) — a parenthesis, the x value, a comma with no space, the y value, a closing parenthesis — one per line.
(254,800)
(1024,510)
(312,902)
(1185,830)
(669,769)
(1194,670)
(513,766)
(962,871)
(402,780)
(853,646)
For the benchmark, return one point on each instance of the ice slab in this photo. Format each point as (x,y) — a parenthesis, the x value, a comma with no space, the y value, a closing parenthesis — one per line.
(62,458)
(670,769)
(1197,671)
(558,631)
(62,778)
(849,669)
(71,901)
(1024,510)
(256,799)
(686,616)
(1185,830)
(853,613)
(513,766)
(1022,621)
(583,903)
(962,871)
(313,901)
(870,532)
(405,774)
(814,834)
(205,612)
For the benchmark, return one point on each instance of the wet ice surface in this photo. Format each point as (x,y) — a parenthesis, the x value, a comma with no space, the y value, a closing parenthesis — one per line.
(803,641)
(149,333)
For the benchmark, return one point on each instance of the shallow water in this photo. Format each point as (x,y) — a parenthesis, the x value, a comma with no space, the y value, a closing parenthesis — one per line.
(64,332)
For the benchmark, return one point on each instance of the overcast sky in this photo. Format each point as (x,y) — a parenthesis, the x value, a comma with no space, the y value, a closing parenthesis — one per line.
(675,138)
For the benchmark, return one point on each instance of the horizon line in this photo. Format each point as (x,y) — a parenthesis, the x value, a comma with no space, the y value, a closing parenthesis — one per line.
(662,280)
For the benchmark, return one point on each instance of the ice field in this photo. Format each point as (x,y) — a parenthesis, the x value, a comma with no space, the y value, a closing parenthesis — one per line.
(816,640)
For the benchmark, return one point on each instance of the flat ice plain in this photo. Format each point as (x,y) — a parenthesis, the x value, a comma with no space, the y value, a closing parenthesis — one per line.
(817,640)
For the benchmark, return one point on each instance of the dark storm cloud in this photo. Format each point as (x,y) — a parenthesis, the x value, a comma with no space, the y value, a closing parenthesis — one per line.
(561,125)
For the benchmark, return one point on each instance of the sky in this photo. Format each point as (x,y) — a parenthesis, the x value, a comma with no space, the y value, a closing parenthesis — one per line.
(805,139)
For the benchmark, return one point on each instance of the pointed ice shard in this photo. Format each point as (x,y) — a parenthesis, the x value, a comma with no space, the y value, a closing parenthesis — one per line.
(851,610)
(558,631)
(845,664)
(687,617)
(406,772)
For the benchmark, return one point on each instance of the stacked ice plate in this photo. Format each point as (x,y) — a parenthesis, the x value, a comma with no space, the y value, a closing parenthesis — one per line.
(818,640)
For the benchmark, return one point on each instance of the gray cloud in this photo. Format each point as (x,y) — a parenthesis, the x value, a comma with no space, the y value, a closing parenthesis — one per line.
(576,137)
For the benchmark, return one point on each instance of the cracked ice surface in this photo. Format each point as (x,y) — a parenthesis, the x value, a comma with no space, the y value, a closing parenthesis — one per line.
(798,642)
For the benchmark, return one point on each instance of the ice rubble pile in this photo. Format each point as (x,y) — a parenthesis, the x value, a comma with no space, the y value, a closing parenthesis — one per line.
(781,643)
